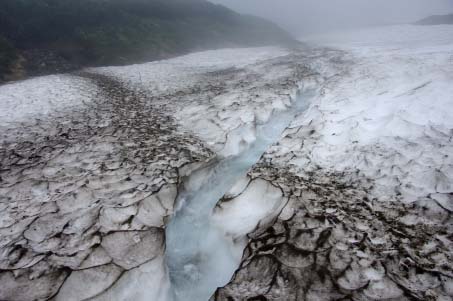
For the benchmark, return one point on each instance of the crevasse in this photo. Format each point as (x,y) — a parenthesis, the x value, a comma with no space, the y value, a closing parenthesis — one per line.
(200,257)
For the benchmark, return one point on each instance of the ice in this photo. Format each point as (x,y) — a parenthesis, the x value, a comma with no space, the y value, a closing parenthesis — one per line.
(88,180)
(241,215)
(367,171)
(42,96)
(395,96)
(200,254)
(238,140)
(220,95)
(148,282)
(91,178)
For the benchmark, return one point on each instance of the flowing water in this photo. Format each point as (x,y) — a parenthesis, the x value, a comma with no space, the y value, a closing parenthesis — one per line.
(199,256)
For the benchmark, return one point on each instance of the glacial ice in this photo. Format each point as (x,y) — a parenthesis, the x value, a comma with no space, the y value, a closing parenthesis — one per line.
(242,214)
(367,173)
(91,165)
(203,250)
(221,95)
(38,97)
(388,114)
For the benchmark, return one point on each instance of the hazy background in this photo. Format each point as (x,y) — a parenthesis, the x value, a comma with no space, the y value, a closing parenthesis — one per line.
(307,16)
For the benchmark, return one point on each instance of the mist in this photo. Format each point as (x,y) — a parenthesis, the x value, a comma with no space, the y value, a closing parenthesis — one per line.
(308,16)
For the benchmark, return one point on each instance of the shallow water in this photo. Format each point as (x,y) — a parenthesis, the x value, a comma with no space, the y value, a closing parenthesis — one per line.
(199,256)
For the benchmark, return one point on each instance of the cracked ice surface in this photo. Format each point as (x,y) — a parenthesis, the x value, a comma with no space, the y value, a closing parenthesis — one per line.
(85,190)
(91,164)
(389,116)
(41,97)
(367,174)
(220,95)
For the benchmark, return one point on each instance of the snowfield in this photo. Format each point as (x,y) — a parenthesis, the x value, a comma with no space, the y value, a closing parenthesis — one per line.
(42,96)
(39,99)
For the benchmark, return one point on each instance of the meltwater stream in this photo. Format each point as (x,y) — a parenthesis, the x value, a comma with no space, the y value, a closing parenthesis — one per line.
(199,256)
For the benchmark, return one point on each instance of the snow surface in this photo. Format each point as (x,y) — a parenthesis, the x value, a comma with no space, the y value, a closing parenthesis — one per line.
(368,174)
(388,112)
(219,95)
(42,96)
(177,72)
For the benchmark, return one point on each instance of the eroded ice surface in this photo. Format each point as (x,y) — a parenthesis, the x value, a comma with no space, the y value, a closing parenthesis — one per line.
(34,100)
(368,174)
(219,95)
(83,195)
(389,114)
(200,253)
(90,165)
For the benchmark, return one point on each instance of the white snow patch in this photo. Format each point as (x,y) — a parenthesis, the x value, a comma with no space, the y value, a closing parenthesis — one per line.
(223,110)
(41,96)
(387,113)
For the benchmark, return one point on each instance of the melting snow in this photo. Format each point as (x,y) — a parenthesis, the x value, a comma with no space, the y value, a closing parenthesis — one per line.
(389,112)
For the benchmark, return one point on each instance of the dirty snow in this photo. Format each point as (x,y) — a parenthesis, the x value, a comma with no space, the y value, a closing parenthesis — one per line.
(367,171)
(219,95)
(389,114)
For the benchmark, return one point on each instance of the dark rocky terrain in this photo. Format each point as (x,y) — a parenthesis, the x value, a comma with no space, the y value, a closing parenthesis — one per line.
(47,36)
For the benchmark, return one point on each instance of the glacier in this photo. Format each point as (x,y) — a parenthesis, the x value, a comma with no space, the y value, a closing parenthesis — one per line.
(317,173)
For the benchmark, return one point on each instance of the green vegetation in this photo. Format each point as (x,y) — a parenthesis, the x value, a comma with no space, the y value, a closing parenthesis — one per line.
(106,32)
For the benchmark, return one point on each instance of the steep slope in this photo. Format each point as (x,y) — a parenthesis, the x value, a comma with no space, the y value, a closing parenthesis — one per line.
(54,36)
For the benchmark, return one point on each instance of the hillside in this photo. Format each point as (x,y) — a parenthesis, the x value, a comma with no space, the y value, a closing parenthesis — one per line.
(47,36)
(436,20)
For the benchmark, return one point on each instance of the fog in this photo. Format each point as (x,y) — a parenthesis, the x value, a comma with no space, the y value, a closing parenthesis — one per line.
(305,16)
